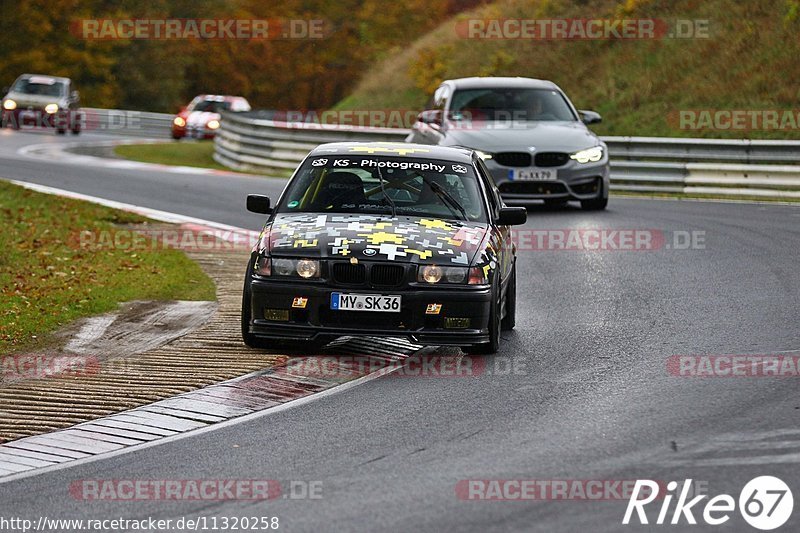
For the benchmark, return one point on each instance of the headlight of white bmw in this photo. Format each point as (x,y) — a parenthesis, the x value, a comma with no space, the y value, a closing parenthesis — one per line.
(9,105)
(51,108)
(590,155)
(213,124)
(483,155)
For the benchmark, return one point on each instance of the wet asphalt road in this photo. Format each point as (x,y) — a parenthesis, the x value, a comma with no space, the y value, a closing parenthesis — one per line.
(580,390)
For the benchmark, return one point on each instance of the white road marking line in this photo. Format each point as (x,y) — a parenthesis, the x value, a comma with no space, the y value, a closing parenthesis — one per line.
(56,153)
(155,214)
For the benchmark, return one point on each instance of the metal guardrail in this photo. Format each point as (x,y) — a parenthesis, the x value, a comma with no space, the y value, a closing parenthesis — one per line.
(255,142)
(128,123)
(720,167)
(249,143)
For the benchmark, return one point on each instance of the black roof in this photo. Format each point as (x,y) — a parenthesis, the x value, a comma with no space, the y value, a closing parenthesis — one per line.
(394,149)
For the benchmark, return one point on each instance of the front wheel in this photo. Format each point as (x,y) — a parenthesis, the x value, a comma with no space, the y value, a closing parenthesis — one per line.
(510,320)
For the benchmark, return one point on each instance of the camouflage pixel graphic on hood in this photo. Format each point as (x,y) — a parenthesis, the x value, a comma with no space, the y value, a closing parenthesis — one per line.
(407,239)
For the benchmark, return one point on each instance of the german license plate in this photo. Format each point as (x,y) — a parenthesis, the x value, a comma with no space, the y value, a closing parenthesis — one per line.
(365,302)
(540,174)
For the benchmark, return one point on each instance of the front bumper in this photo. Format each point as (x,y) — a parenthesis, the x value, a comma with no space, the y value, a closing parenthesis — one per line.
(574,181)
(318,322)
(193,132)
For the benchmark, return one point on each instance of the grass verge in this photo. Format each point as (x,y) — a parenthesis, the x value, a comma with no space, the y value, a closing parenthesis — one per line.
(47,280)
(189,154)
(639,86)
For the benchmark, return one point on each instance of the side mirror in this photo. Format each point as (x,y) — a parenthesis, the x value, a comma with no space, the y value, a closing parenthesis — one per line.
(431,116)
(590,117)
(512,216)
(258,203)
(74,96)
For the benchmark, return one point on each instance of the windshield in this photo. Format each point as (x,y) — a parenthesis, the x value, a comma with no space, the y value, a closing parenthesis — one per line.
(510,104)
(42,87)
(210,106)
(411,187)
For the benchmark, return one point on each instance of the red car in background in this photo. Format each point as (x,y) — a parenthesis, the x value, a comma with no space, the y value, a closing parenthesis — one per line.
(200,119)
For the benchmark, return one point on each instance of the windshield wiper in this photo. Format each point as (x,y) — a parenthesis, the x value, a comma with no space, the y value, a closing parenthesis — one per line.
(447,199)
(386,195)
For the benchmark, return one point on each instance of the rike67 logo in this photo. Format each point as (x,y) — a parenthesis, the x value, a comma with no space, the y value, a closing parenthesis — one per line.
(765,503)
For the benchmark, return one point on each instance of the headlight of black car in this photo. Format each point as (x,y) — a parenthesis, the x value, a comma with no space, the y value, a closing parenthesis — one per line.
(433,274)
(279,267)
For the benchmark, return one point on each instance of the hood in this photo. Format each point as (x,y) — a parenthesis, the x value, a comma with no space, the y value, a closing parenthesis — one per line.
(520,136)
(38,100)
(374,238)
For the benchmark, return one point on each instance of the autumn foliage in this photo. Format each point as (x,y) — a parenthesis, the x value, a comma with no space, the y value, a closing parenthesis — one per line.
(160,75)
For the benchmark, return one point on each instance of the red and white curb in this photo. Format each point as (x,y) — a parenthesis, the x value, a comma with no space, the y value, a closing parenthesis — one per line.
(208,408)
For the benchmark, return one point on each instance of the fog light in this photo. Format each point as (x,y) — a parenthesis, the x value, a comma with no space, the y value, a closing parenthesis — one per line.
(278,315)
(456,323)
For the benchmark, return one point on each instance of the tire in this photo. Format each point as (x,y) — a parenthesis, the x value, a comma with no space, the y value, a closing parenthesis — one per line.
(510,320)
(76,132)
(491,347)
(595,204)
(61,131)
